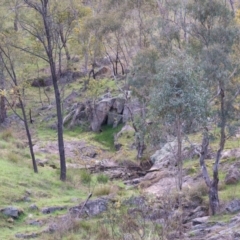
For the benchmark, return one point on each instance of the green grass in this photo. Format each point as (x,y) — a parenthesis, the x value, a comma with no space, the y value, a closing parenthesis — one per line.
(46,190)
(106,137)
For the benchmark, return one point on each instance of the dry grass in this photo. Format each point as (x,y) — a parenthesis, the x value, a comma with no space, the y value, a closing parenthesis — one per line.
(7,134)
(102,190)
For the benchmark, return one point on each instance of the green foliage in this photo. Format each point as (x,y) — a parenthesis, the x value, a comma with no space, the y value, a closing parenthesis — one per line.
(106,137)
(179,91)
(13,157)
(85,176)
(102,178)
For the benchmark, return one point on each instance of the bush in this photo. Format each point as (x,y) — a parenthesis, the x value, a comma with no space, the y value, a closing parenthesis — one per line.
(85,176)
(7,134)
(102,178)
(102,190)
(13,157)
(198,191)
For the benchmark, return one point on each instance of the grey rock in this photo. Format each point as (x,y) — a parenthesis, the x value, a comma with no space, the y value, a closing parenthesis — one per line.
(200,220)
(91,208)
(33,207)
(100,112)
(34,222)
(27,235)
(132,108)
(233,206)
(48,210)
(119,105)
(233,176)
(12,211)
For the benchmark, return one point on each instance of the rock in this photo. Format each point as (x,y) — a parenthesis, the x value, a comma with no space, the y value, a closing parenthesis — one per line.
(132,108)
(233,176)
(233,206)
(113,118)
(200,220)
(48,210)
(232,153)
(12,211)
(99,113)
(136,201)
(119,105)
(91,208)
(34,222)
(27,235)
(164,157)
(33,207)
(125,129)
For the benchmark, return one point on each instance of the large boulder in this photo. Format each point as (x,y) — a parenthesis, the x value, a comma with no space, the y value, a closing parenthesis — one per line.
(233,176)
(165,157)
(107,111)
(12,211)
(100,112)
(130,110)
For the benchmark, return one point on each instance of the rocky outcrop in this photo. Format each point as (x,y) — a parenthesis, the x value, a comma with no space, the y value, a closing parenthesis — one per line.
(91,208)
(12,211)
(100,112)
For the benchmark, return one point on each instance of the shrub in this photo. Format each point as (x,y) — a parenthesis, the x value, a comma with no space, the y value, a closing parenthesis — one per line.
(198,191)
(85,176)
(102,190)
(102,178)
(13,157)
(7,134)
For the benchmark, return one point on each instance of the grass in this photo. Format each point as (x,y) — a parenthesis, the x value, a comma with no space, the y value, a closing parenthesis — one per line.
(106,137)
(102,178)
(45,187)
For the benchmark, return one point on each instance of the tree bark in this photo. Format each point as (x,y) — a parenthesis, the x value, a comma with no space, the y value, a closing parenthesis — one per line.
(30,144)
(179,153)
(213,191)
(49,50)
(3,112)
(213,185)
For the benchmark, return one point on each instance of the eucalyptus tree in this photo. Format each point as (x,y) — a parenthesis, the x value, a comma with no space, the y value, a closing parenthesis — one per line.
(177,96)
(11,62)
(213,37)
(40,25)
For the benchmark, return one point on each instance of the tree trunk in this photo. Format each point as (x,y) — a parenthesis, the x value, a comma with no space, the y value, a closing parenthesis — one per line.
(179,153)
(213,191)
(3,112)
(213,185)
(63,40)
(30,144)
(49,51)
(63,169)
